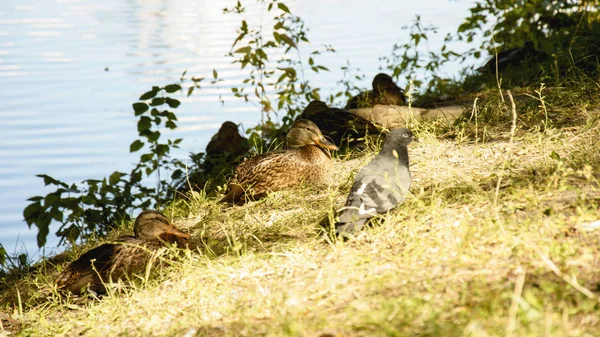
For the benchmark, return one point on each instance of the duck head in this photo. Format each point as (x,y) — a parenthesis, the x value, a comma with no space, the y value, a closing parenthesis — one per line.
(384,83)
(305,132)
(315,107)
(152,225)
(228,130)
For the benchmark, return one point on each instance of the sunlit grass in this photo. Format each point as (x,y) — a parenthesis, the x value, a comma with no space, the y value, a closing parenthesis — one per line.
(495,240)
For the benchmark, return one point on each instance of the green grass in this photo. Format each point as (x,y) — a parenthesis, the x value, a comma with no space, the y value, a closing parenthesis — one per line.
(494,241)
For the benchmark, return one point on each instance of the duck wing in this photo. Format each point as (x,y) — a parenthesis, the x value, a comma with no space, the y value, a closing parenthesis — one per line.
(92,268)
(257,173)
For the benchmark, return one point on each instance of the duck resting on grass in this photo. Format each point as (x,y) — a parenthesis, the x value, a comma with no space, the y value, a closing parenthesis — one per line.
(111,262)
(339,124)
(380,186)
(225,146)
(385,91)
(513,57)
(307,159)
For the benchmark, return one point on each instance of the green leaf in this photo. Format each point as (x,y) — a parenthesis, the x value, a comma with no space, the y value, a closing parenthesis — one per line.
(140,108)
(190,91)
(215,74)
(283,7)
(115,177)
(171,125)
(48,180)
(30,212)
(57,215)
(288,40)
(144,124)
(157,101)
(171,88)
(136,145)
(51,199)
(153,136)
(555,156)
(146,157)
(2,255)
(43,225)
(173,103)
(148,95)
(243,50)
(162,149)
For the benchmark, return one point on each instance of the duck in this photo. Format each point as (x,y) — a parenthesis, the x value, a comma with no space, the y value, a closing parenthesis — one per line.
(307,159)
(118,260)
(341,126)
(513,57)
(225,146)
(385,91)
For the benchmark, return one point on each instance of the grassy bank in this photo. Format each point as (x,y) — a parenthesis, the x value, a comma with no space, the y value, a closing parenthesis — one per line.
(499,238)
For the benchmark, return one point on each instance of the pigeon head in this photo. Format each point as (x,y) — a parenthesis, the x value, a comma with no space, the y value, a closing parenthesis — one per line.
(399,137)
(305,132)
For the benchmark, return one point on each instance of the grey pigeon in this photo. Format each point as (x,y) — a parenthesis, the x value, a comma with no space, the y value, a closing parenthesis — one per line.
(379,186)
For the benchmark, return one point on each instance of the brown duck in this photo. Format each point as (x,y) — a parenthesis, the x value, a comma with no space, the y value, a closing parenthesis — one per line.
(513,57)
(340,125)
(113,261)
(227,145)
(307,159)
(385,91)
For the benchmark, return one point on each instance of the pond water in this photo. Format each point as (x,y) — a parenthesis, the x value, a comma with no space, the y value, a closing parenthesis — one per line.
(70,70)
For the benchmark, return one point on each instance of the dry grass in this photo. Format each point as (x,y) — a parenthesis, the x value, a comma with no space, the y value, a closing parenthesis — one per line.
(498,239)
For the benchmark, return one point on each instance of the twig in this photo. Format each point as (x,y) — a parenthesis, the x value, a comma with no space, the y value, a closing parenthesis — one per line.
(572,282)
(513,128)
(474,113)
(497,192)
(514,306)
(498,80)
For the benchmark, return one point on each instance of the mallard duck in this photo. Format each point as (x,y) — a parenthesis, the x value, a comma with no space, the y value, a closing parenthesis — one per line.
(225,146)
(385,91)
(114,261)
(338,124)
(307,159)
(513,57)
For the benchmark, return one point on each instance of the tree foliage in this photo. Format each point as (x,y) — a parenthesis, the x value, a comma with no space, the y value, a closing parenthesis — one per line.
(95,206)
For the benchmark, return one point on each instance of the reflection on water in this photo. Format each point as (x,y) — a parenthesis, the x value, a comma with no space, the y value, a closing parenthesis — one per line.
(70,69)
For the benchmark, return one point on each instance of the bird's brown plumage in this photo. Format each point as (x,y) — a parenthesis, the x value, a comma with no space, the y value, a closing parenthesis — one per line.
(385,91)
(225,146)
(306,160)
(114,261)
(340,125)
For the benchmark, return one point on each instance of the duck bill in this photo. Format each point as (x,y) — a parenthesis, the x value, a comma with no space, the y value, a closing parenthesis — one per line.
(176,232)
(326,144)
